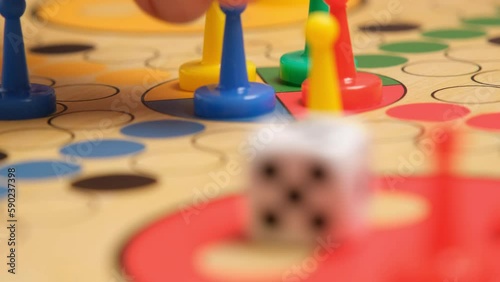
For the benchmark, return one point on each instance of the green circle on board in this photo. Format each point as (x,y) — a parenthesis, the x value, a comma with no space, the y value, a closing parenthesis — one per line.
(454,33)
(379,61)
(493,21)
(413,47)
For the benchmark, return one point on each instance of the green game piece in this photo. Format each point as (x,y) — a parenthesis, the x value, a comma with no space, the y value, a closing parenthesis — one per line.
(488,21)
(414,47)
(271,76)
(454,33)
(379,61)
(294,66)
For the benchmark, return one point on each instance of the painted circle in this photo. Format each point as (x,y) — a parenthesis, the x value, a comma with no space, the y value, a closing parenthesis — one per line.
(430,112)
(488,78)
(61,48)
(124,54)
(114,182)
(486,21)
(468,94)
(494,40)
(3,156)
(43,169)
(85,92)
(379,61)
(163,129)
(441,68)
(85,120)
(489,122)
(99,149)
(454,33)
(392,27)
(45,138)
(413,47)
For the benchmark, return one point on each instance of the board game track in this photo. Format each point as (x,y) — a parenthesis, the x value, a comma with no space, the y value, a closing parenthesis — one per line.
(162,161)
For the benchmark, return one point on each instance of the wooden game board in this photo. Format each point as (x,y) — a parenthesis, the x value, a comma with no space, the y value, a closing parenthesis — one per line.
(125,150)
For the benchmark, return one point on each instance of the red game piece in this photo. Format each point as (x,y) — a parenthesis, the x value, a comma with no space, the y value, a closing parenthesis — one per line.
(453,256)
(359,90)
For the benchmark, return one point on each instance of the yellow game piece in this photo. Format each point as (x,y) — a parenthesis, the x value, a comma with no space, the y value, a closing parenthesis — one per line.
(324,89)
(195,74)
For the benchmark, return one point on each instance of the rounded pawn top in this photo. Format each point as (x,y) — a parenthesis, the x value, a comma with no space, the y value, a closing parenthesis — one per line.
(237,6)
(337,4)
(12,9)
(322,30)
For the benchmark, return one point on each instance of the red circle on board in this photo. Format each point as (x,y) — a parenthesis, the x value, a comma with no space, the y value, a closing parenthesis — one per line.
(166,250)
(486,121)
(433,112)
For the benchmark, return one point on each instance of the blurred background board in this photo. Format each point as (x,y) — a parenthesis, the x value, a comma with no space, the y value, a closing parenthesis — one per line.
(124,148)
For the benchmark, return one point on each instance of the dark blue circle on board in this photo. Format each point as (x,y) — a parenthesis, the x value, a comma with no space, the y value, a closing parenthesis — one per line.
(45,169)
(163,129)
(102,149)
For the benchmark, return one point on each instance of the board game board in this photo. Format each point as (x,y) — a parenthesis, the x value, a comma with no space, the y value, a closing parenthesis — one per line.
(124,150)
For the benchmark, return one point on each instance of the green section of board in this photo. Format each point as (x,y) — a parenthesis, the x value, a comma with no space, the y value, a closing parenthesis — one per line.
(379,61)
(486,21)
(454,33)
(271,76)
(414,47)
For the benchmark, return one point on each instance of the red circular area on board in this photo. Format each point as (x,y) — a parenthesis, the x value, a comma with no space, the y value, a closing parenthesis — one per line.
(434,112)
(166,250)
(486,121)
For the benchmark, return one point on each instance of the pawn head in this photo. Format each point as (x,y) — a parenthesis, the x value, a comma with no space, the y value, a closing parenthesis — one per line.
(12,9)
(322,30)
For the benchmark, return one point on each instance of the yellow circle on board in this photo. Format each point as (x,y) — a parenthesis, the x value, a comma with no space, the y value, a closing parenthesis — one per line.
(140,77)
(125,16)
(69,69)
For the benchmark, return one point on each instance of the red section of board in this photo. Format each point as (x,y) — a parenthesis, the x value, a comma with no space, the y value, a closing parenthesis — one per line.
(293,100)
(165,250)
(486,122)
(433,112)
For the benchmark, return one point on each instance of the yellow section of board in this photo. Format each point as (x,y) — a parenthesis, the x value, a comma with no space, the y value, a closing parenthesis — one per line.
(324,89)
(125,16)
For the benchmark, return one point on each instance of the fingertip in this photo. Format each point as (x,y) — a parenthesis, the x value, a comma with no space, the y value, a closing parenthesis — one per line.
(175,11)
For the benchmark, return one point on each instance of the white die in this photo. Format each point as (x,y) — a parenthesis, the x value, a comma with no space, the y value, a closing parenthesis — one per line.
(312,180)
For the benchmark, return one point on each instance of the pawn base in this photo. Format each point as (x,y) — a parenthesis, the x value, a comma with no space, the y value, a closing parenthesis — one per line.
(294,68)
(212,103)
(362,92)
(39,102)
(195,74)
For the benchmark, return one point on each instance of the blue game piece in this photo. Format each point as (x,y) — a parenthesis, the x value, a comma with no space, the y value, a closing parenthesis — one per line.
(235,96)
(19,99)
